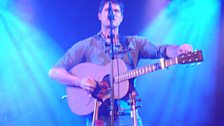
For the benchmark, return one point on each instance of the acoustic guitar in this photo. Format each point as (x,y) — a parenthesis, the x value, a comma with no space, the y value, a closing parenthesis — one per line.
(82,102)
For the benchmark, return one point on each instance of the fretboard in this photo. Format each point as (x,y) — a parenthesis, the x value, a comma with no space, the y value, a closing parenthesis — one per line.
(144,70)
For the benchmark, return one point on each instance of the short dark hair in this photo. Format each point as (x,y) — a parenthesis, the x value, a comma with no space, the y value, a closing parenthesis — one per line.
(119,2)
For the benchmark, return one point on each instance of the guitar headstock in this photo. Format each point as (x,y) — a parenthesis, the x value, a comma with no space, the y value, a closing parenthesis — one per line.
(190,57)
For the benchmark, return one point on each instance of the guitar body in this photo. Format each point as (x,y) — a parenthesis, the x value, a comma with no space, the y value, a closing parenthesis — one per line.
(80,101)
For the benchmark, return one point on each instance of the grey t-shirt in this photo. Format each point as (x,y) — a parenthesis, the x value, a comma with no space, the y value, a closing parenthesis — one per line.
(96,50)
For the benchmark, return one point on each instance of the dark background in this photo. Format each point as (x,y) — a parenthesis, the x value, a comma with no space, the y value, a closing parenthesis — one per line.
(29,97)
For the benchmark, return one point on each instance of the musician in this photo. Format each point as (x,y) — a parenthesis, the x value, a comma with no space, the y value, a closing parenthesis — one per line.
(96,50)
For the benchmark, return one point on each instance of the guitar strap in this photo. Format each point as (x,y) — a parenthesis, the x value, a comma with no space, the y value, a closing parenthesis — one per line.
(130,59)
(125,44)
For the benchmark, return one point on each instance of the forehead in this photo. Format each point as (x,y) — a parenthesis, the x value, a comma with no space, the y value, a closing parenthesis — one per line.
(114,6)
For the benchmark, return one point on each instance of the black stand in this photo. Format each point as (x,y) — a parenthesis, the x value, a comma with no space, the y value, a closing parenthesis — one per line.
(111,18)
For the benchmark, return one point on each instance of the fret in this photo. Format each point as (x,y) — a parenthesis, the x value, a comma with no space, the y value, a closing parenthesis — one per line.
(162,63)
(146,70)
(149,69)
(136,72)
(143,70)
(153,67)
(140,71)
(171,62)
(176,60)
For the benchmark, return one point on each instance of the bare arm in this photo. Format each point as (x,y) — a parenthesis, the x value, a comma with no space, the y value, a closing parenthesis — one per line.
(64,77)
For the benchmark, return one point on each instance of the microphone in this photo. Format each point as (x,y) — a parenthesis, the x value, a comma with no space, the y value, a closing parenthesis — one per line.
(110,12)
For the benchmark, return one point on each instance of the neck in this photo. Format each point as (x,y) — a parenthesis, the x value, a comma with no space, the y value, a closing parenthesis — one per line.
(106,31)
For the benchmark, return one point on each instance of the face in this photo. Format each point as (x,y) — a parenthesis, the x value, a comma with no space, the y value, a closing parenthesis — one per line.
(103,16)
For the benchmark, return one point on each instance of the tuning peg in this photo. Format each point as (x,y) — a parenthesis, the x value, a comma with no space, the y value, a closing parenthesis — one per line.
(199,63)
(190,65)
(193,64)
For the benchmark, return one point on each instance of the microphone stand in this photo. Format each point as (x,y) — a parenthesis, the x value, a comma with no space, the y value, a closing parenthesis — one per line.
(111,18)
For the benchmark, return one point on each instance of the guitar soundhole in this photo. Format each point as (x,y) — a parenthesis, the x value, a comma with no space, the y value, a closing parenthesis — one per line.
(102,88)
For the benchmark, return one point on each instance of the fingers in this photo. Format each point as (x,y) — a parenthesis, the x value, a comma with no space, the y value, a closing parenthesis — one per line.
(185,48)
(89,89)
(88,84)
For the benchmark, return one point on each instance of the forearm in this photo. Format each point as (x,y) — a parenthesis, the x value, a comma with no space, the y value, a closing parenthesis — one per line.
(64,77)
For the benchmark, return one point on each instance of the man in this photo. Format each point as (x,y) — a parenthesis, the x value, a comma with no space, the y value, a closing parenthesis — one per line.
(95,50)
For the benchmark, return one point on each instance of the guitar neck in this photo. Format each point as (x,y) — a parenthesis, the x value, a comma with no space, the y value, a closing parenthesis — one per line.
(144,70)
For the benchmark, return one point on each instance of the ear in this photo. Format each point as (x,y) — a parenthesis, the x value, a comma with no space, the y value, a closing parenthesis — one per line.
(122,17)
(99,16)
